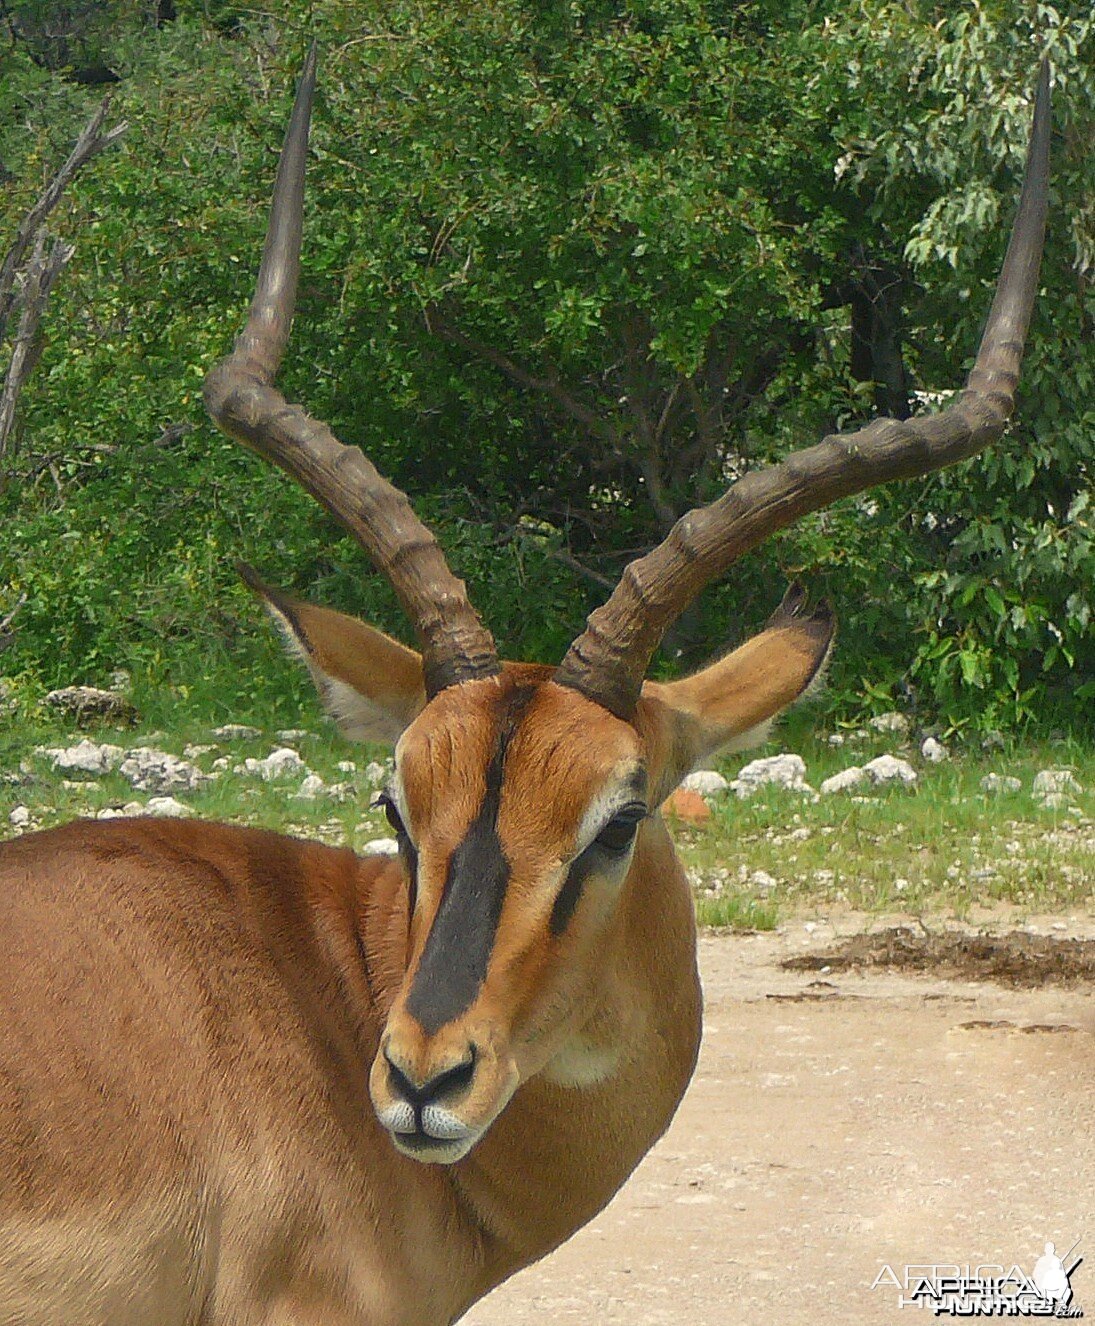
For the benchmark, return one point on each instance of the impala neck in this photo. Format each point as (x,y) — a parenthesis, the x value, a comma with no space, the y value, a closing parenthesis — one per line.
(573,1133)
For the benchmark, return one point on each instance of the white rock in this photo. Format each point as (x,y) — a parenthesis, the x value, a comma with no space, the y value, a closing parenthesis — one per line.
(1051,781)
(167,808)
(278,764)
(346,767)
(150,770)
(994,784)
(707,783)
(237,732)
(288,734)
(381,847)
(88,757)
(310,788)
(785,771)
(933,751)
(891,722)
(889,769)
(843,781)
(193,752)
(127,811)
(1054,800)
(836,739)
(762,881)
(19,816)
(221,763)
(376,773)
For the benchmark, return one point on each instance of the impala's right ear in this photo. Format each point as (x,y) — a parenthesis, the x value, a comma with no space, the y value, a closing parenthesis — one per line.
(370,684)
(731,704)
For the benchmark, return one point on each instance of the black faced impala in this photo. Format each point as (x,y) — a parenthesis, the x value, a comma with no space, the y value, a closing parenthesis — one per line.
(252,1081)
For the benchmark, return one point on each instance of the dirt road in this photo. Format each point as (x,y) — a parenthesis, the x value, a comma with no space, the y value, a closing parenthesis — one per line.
(839,1122)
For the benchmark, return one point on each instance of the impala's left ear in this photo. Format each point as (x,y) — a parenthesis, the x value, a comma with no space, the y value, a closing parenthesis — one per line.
(370,684)
(732,703)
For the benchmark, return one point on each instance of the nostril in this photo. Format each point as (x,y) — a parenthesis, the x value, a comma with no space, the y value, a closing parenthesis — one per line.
(453,1079)
(446,1083)
(401,1084)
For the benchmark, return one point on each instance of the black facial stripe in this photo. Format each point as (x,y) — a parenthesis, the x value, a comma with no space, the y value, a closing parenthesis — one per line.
(567,898)
(458,947)
(410,864)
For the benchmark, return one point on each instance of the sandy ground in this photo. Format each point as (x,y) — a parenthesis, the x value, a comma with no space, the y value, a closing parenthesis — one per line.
(837,1123)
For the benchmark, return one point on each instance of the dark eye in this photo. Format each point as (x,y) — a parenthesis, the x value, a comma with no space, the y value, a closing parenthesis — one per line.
(387,805)
(619,833)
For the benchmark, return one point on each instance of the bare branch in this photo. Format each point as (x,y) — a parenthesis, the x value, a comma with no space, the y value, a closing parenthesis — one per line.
(90,143)
(550,386)
(40,275)
(7,635)
(569,560)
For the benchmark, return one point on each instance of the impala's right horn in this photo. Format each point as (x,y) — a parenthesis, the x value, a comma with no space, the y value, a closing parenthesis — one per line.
(609,660)
(244,403)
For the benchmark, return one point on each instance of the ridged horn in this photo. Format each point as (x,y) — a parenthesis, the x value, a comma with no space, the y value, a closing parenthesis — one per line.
(243,401)
(608,662)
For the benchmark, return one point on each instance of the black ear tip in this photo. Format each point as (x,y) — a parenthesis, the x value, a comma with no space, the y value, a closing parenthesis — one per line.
(796,610)
(250,577)
(794,598)
(824,615)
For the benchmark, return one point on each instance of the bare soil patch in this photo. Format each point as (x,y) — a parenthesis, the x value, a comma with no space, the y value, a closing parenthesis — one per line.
(1017,959)
(841,1121)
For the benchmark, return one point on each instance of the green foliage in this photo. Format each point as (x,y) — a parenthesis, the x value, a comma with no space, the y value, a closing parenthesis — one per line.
(567,271)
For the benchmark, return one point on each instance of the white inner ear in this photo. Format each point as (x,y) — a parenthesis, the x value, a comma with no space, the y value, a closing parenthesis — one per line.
(358,717)
(754,736)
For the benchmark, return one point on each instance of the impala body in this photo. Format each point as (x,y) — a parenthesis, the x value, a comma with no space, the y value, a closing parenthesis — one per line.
(252,1081)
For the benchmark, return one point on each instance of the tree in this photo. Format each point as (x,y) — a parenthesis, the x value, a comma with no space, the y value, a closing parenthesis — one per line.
(568,271)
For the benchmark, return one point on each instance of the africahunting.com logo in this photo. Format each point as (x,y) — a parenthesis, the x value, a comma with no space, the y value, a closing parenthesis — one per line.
(989,1290)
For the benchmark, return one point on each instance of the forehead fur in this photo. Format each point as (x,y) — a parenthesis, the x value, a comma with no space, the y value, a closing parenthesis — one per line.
(560,750)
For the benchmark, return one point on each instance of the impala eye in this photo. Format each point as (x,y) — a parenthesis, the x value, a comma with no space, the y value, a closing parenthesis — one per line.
(619,833)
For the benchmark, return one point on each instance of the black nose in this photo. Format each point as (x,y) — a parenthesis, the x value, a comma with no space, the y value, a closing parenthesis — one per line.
(446,1083)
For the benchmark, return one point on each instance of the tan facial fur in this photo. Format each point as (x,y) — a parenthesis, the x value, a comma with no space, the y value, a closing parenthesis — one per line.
(500,787)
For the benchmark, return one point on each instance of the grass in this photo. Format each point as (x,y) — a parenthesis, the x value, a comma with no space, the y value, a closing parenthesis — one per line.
(941,845)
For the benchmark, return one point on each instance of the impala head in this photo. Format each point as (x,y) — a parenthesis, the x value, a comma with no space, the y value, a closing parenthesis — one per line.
(525,797)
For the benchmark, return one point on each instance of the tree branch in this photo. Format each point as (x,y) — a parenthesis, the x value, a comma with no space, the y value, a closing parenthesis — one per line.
(40,275)
(437,323)
(7,634)
(90,143)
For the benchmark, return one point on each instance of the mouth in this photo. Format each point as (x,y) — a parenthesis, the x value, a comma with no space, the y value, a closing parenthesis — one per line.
(429,1133)
(421,1146)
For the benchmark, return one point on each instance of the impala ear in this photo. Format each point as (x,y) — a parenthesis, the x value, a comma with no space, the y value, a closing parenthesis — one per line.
(370,684)
(732,704)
